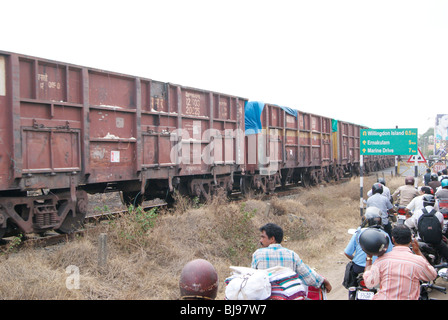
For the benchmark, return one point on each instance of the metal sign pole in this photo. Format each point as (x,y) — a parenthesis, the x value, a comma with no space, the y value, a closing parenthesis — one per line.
(416,171)
(361,183)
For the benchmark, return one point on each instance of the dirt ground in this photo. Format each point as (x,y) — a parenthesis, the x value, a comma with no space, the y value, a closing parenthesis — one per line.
(333,271)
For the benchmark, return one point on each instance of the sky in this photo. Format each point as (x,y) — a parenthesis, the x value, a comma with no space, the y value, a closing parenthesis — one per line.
(378,63)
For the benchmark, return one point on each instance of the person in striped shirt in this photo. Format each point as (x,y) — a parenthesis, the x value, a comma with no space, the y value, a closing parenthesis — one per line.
(273,254)
(398,273)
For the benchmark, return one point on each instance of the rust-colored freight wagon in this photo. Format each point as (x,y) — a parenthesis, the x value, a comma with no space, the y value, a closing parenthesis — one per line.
(346,151)
(285,146)
(316,156)
(69,130)
(347,148)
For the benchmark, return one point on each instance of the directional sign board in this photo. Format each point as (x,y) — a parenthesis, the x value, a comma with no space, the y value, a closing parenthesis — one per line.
(389,142)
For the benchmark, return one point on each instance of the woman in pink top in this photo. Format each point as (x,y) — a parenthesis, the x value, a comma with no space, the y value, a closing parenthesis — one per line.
(398,273)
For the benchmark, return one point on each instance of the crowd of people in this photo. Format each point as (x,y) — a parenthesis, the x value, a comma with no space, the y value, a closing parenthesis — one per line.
(394,264)
(398,271)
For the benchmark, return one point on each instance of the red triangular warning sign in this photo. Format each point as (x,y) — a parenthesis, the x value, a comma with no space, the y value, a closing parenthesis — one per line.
(420,157)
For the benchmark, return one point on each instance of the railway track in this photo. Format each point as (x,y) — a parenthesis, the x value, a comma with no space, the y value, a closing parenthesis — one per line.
(52,237)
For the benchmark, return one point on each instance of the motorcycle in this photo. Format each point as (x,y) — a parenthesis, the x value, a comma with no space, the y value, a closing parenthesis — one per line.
(430,253)
(360,292)
(442,270)
(428,287)
(401,215)
(445,224)
(443,209)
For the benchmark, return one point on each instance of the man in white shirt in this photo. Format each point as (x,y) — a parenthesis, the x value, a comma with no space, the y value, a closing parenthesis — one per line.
(386,190)
(417,203)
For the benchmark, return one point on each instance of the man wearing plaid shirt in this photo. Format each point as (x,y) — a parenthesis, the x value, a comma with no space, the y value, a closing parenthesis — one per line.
(273,254)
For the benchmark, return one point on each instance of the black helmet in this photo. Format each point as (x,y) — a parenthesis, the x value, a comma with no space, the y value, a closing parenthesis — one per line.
(429,200)
(198,280)
(374,242)
(377,188)
(434,177)
(382,181)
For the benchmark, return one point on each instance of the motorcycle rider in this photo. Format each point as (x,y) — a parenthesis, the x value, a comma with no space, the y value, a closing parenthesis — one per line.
(442,196)
(434,183)
(417,202)
(272,254)
(354,252)
(443,174)
(406,193)
(398,273)
(382,203)
(413,223)
(198,281)
(386,190)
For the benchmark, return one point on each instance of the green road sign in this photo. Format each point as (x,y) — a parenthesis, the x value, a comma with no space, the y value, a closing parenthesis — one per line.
(389,142)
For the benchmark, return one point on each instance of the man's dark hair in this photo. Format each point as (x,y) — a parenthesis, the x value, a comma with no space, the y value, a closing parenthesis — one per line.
(401,234)
(427,190)
(273,230)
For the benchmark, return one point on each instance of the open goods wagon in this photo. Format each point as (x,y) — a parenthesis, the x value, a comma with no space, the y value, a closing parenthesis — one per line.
(288,146)
(347,150)
(67,130)
(346,147)
(294,146)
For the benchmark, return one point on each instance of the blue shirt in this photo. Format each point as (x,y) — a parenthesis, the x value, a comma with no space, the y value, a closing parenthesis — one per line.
(354,248)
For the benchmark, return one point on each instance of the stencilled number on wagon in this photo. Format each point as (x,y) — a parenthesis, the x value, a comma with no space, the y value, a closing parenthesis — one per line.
(193,104)
(43,79)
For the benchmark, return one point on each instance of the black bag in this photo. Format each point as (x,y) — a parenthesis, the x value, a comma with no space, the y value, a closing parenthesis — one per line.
(429,227)
(349,276)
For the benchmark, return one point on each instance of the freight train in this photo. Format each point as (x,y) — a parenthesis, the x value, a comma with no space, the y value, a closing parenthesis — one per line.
(67,131)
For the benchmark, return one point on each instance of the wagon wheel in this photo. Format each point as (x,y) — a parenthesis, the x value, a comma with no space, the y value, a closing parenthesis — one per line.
(245,186)
(306,180)
(72,223)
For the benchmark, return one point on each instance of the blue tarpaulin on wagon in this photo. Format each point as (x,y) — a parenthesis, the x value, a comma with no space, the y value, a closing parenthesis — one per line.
(292,112)
(252,116)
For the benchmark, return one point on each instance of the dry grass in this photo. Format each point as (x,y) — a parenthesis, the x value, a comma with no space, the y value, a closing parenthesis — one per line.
(146,252)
